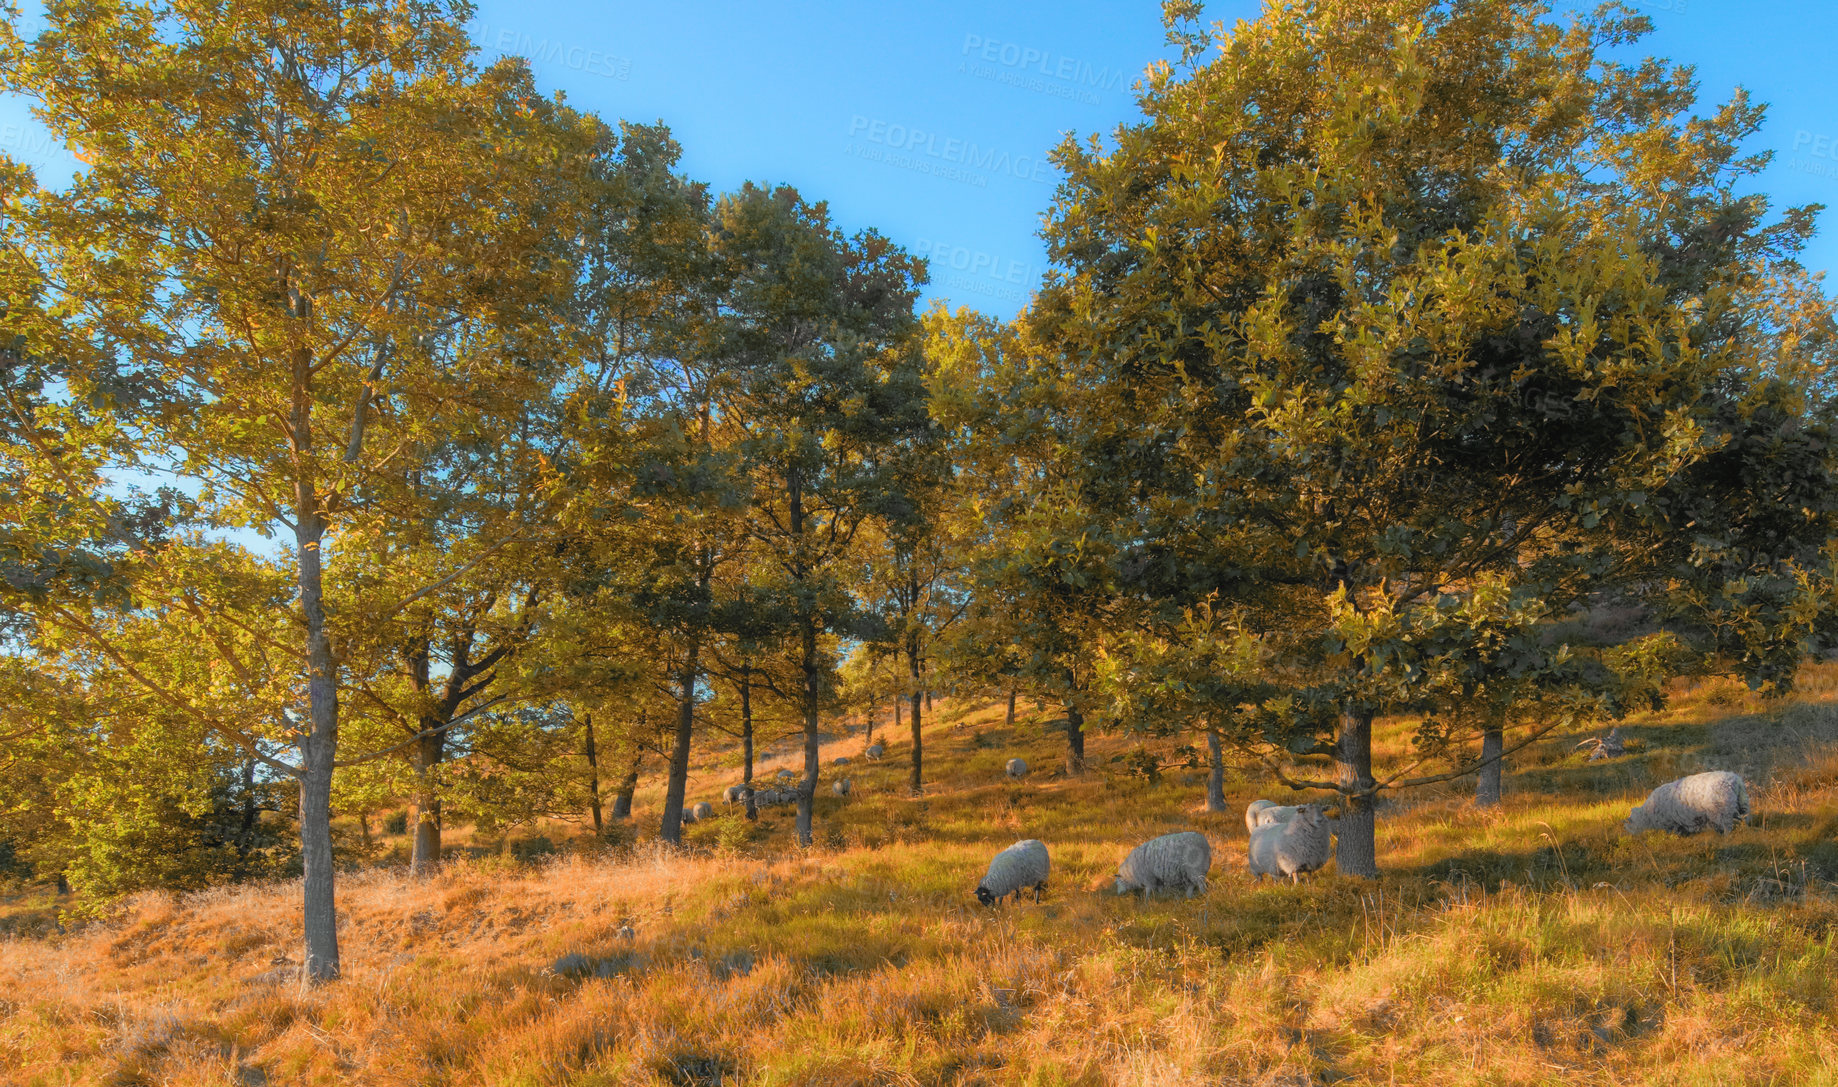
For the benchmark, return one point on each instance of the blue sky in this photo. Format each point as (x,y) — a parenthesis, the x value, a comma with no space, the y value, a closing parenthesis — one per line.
(931,121)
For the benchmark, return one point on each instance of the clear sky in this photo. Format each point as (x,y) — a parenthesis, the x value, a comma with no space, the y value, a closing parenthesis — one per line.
(931,120)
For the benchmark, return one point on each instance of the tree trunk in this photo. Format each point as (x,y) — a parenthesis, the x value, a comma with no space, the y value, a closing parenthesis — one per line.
(918,778)
(424,860)
(870,726)
(1009,721)
(807,789)
(1487,789)
(245,838)
(678,781)
(319,746)
(896,713)
(928,698)
(1357,852)
(593,772)
(746,742)
(1075,740)
(1215,780)
(622,800)
(363,827)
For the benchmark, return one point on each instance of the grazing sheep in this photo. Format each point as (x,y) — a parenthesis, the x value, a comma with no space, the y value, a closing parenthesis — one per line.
(736,794)
(784,774)
(840,786)
(1290,848)
(1262,813)
(1013,870)
(1717,798)
(1017,769)
(840,760)
(1172,862)
(875,751)
(688,816)
(703,811)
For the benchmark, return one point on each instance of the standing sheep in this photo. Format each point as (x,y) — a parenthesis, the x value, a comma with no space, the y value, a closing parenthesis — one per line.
(703,811)
(1013,870)
(840,786)
(1172,862)
(784,774)
(875,751)
(1290,848)
(1017,769)
(735,794)
(840,760)
(1716,798)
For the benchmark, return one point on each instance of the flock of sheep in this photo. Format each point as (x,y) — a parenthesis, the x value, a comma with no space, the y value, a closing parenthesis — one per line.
(1284,840)
(1291,841)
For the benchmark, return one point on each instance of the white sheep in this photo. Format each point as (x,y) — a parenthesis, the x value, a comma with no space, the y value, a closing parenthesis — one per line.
(1300,844)
(785,774)
(688,816)
(840,786)
(703,811)
(840,760)
(1172,862)
(1716,798)
(1265,812)
(1017,769)
(875,751)
(1014,870)
(736,794)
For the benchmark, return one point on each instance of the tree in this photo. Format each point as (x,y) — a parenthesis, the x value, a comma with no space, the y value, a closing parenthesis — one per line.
(333,242)
(1043,592)
(820,328)
(1403,330)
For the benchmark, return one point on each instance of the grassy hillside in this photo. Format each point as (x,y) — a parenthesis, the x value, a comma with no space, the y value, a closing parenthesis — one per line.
(1536,944)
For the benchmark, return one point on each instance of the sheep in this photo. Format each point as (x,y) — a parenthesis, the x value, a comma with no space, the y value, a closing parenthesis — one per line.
(784,774)
(875,751)
(1290,848)
(736,794)
(688,816)
(1013,870)
(1717,798)
(703,811)
(1017,769)
(840,760)
(840,786)
(1264,812)
(1178,861)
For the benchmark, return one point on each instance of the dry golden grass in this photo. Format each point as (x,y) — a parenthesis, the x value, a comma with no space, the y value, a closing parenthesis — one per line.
(1531,945)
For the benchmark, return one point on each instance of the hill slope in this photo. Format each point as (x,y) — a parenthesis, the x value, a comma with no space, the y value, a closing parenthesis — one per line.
(1535,944)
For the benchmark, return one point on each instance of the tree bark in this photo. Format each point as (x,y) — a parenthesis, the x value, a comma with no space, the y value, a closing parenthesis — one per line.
(746,741)
(807,789)
(245,838)
(896,712)
(424,860)
(1487,789)
(1215,778)
(807,636)
(622,800)
(1009,721)
(915,672)
(1357,851)
(593,772)
(319,745)
(1075,740)
(678,780)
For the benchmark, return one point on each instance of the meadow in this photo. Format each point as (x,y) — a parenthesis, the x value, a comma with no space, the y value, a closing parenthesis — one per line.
(1532,944)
